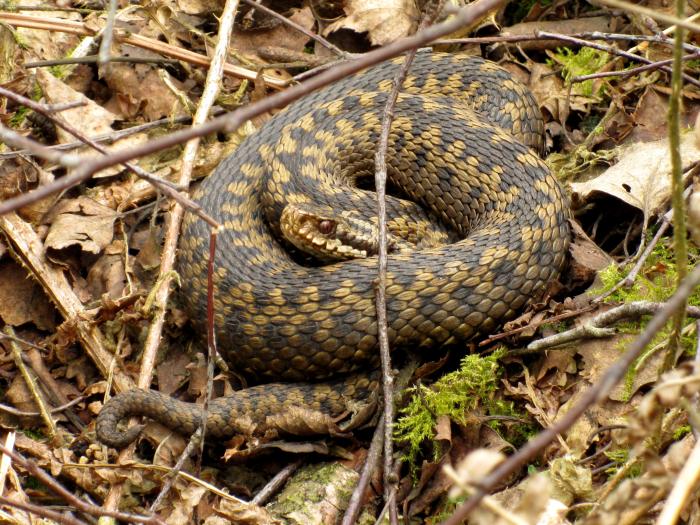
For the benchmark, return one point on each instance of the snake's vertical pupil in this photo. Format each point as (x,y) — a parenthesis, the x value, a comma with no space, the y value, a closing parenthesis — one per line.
(326,227)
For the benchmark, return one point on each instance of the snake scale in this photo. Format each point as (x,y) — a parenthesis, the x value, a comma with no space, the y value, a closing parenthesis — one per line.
(461,147)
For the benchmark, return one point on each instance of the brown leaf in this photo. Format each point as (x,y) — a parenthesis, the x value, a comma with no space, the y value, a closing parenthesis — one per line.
(81,222)
(384,20)
(641,177)
(22,300)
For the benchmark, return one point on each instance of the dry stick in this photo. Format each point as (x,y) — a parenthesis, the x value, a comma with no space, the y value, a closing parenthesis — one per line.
(380,287)
(163,185)
(32,386)
(65,494)
(654,15)
(279,479)
(291,23)
(232,121)
(678,202)
(682,490)
(42,511)
(16,140)
(595,327)
(92,59)
(108,33)
(174,221)
(588,35)
(24,413)
(613,51)
(633,71)
(594,394)
(125,37)
(374,454)
(113,136)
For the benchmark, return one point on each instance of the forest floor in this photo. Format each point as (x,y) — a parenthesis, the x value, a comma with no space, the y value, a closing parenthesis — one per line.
(86,269)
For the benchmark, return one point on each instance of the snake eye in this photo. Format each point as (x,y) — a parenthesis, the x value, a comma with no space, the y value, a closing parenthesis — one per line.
(326,227)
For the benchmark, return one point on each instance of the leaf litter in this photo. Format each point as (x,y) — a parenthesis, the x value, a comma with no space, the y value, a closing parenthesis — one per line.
(606,139)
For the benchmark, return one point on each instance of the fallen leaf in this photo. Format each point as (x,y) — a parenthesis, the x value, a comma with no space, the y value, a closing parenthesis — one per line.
(640,178)
(22,300)
(384,20)
(81,222)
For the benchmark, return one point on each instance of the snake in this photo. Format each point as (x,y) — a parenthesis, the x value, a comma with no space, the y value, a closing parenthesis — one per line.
(299,323)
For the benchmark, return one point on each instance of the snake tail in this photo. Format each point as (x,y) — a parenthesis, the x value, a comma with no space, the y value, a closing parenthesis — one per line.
(301,409)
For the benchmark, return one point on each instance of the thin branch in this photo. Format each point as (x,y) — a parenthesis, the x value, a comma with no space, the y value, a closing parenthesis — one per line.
(16,140)
(374,454)
(613,51)
(126,37)
(677,200)
(42,511)
(596,393)
(277,482)
(172,229)
(93,59)
(24,413)
(653,14)
(64,493)
(232,121)
(291,23)
(113,136)
(162,185)
(596,327)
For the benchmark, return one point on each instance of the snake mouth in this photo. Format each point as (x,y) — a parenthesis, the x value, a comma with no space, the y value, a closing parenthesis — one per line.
(324,235)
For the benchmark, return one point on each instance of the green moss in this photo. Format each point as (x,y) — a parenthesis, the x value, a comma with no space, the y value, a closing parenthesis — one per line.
(656,282)
(620,457)
(456,395)
(584,61)
(681,432)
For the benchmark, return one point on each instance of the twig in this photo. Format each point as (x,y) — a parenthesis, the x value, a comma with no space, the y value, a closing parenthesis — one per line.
(532,326)
(279,479)
(174,221)
(64,493)
(162,185)
(596,393)
(587,35)
(92,59)
(633,71)
(107,33)
(374,454)
(682,490)
(232,121)
(596,327)
(113,136)
(291,23)
(677,200)
(16,140)
(41,510)
(613,51)
(24,413)
(380,289)
(125,37)
(32,386)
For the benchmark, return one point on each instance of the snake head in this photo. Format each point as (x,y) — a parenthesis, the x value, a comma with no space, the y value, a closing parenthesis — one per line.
(331,236)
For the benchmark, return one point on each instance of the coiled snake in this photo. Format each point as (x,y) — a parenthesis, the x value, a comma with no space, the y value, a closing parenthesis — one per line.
(280,319)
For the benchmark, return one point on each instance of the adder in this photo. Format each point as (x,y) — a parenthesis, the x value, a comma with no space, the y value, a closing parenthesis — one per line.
(460,148)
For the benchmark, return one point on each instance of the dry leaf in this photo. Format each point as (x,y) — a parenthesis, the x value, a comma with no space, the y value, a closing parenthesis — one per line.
(22,300)
(81,222)
(641,177)
(384,20)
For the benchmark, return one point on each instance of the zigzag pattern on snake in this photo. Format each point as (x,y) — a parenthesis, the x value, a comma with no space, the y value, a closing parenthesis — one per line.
(458,148)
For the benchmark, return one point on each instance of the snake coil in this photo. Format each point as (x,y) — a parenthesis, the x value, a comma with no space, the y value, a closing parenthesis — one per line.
(458,148)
